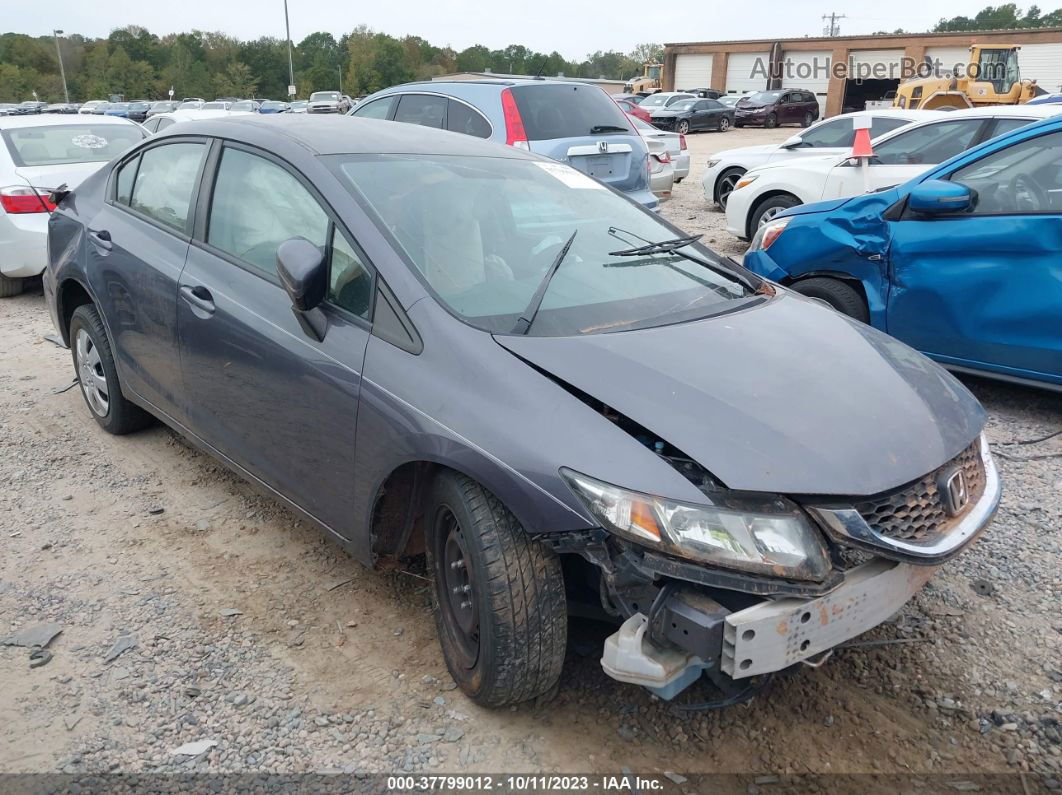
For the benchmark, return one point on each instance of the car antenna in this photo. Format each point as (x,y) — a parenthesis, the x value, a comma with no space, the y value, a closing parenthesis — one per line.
(541,66)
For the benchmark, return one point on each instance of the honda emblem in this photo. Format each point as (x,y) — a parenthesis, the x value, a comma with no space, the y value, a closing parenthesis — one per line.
(955,493)
(602,146)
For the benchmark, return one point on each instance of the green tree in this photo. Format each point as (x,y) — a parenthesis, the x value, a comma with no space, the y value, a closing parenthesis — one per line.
(647,53)
(1003,17)
(236,81)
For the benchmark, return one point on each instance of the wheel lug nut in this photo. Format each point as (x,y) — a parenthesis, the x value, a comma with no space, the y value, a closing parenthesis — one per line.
(457,564)
(466,605)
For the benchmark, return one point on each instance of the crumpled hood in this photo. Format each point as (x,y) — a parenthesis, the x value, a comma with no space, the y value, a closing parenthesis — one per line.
(825,206)
(787,396)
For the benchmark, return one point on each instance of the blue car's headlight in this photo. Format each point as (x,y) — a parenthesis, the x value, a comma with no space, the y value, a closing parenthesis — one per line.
(763,535)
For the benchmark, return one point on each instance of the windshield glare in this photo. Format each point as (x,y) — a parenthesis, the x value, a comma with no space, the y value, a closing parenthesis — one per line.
(323,95)
(684,104)
(74,143)
(764,97)
(482,232)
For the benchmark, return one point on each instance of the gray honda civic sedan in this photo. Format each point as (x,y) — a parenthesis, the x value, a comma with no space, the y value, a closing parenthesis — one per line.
(444,349)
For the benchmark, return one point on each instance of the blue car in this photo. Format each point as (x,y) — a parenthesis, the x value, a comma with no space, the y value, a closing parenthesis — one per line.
(963,263)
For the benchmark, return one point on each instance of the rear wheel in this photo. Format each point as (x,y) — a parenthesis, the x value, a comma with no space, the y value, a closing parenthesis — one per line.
(837,294)
(767,210)
(500,606)
(683,127)
(724,186)
(809,117)
(10,286)
(724,124)
(97,376)
(771,121)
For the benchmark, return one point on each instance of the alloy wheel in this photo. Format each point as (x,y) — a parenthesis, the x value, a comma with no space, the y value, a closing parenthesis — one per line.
(90,374)
(726,187)
(457,587)
(769,214)
(724,124)
(683,127)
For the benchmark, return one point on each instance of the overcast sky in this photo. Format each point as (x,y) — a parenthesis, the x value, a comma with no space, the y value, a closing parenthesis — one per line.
(571,28)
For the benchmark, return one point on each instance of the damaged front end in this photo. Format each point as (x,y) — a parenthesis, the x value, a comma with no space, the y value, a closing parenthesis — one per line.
(744,586)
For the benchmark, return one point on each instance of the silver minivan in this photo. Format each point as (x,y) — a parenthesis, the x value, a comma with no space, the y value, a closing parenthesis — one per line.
(576,123)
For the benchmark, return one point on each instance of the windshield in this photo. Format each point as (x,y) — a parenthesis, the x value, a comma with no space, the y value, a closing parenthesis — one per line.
(764,97)
(482,232)
(162,106)
(685,104)
(729,100)
(321,96)
(274,105)
(119,106)
(216,106)
(55,145)
(189,106)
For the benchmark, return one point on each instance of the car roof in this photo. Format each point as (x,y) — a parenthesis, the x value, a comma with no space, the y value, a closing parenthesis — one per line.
(344,135)
(996,111)
(11,122)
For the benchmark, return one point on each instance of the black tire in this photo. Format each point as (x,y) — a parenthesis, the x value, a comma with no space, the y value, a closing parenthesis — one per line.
(771,121)
(809,119)
(682,127)
(838,294)
(120,416)
(516,600)
(738,124)
(770,207)
(10,286)
(724,185)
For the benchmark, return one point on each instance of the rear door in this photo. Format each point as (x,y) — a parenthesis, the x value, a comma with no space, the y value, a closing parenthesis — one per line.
(259,389)
(904,156)
(581,125)
(984,288)
(137,247)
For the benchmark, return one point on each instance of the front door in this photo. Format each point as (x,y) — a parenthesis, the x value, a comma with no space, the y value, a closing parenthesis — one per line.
(148,211)
(260,390)
(984,288)
(903,156)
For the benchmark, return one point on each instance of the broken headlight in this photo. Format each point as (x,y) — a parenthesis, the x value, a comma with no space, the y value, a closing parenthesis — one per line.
(763,534)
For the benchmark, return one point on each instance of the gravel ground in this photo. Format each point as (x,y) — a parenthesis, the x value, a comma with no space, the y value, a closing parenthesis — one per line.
(193,609)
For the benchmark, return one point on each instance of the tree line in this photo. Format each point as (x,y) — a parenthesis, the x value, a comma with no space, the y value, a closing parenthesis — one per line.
(137,64)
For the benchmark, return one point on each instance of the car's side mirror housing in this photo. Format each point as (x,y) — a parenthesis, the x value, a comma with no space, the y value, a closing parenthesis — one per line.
(303,272)
(793,142)
(939,196)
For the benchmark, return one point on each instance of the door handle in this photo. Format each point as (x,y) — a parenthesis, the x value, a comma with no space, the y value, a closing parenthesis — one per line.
(199,297)
(101,238)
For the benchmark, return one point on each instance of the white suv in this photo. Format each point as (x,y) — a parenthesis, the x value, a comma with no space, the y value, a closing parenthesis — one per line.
(903,154)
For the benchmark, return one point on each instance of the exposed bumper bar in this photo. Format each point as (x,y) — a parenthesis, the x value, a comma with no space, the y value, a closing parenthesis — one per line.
(771,636)
(847,526)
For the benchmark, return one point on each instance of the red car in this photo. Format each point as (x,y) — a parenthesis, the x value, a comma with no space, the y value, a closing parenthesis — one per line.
(629,107)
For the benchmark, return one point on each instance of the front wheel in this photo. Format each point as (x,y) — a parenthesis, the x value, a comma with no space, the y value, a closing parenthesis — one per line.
(771,121)
(837,294)
(499,600)
(725,186)
(767,210)
(683,127)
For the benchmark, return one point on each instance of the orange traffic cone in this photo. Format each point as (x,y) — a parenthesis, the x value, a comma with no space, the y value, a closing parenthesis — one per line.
(861,145)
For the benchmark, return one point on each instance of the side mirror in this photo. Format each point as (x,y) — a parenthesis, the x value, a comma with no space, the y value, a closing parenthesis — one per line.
(793,142)
(938,196)
(303,272)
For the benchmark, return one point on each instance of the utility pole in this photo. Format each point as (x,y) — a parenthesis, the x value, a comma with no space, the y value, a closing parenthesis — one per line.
(291,65)
(62,71)
(833,29)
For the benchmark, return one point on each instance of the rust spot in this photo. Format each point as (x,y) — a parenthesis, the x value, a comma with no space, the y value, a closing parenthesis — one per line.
(783,627)
(824,615)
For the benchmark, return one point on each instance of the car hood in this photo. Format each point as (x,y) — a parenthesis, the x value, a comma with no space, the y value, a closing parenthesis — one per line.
(815,207)
(786,396)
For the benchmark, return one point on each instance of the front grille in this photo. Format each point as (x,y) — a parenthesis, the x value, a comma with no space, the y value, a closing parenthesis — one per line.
(918,510)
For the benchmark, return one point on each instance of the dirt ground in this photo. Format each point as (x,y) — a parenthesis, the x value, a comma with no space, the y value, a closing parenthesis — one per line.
(243,626)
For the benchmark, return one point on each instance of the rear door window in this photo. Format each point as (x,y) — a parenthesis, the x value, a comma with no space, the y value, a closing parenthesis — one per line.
(165,181)
(931,144)
(423,109)
(880,125)
(1001,126)
(464,119)
(568,110)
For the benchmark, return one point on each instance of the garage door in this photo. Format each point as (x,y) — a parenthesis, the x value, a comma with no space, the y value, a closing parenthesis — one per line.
(875,64)
(1042,63)
(809,70)
(948,57)
(747,71)
(693,71)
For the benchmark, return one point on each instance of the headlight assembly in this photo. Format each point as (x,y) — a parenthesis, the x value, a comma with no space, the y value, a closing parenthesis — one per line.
(762,535)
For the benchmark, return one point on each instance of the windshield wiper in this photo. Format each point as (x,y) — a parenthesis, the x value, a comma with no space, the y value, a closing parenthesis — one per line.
(674,246)
(604,128)
(523,324)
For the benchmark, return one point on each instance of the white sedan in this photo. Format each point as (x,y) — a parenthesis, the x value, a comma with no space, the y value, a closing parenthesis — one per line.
(674,142)
(762,193)
(40,153)
(833,136)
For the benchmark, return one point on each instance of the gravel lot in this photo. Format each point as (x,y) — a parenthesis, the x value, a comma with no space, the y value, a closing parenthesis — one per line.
(193,609)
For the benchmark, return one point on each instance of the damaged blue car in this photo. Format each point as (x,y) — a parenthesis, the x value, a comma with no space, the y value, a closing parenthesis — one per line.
(963,263)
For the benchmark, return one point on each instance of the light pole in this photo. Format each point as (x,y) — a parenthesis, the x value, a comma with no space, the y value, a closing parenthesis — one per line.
(291,65)
(62,71)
